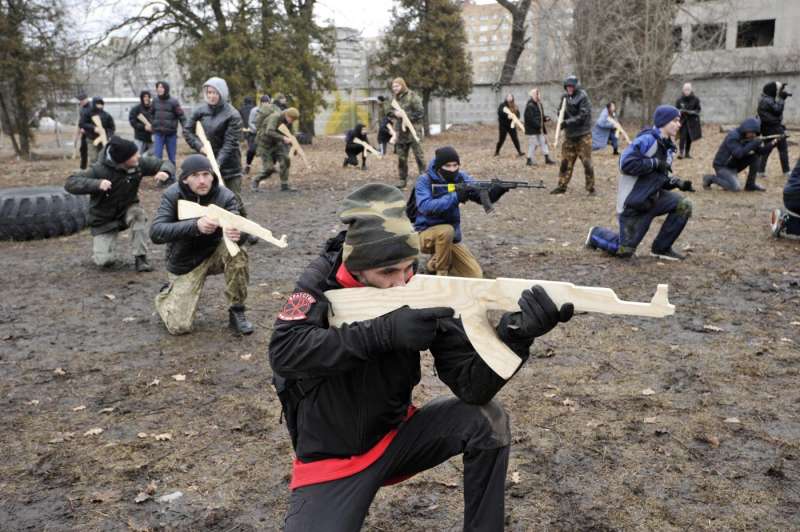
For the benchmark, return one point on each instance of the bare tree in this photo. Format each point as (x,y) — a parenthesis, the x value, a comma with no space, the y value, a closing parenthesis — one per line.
(519,27)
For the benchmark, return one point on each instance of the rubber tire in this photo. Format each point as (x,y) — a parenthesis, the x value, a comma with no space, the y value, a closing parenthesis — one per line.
(40,212)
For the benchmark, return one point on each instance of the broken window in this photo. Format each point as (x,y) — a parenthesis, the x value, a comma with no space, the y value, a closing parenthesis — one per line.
(753,33)
(708,37)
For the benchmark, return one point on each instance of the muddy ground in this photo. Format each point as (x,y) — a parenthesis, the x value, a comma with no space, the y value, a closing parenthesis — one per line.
(684,423)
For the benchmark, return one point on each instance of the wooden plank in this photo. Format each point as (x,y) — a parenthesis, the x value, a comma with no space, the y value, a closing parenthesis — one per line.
(559,123)
(472,298)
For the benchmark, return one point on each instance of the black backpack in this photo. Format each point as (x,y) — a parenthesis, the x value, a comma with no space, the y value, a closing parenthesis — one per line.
(411,206)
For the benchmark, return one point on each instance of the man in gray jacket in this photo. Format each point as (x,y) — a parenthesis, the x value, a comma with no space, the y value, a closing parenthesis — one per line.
(223,126)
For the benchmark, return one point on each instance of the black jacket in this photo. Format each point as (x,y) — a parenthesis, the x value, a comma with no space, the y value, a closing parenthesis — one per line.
(187,247)
(350,147)
(735,150)
(690,122)
(107,209)
(167,113)
(770,111)
(578,114)
(223,127)
(87,124)
(502,118)
(139,132)
(534,118)
(343,388)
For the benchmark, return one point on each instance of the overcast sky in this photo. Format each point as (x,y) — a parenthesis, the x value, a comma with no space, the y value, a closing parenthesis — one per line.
(369,16)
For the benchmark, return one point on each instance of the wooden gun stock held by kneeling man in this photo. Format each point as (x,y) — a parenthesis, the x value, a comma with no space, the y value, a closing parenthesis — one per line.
(226,219)
(472,298)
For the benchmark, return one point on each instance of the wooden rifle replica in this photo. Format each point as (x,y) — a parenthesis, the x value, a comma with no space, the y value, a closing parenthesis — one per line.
(765,138)
(619,130)
(209,151)
(296,149)
(393,133)
(226,220)
(515,121)
(407,125)
(102,136)
(367,147)
(143,119)
(560,122)
(472,298)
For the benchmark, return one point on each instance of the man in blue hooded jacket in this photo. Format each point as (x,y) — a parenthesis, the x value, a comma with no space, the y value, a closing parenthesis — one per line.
(741,149)
(644,192)
(438,217)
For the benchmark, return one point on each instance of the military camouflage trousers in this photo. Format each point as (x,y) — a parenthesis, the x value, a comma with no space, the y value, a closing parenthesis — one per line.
(177,302)
(270,156)
(402,159)
(580,147)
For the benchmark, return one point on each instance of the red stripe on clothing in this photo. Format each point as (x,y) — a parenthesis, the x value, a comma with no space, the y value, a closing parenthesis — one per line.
(307,474)
(346,279)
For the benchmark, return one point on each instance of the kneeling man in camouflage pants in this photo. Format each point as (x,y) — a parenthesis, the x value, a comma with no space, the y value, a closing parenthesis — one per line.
(195,250)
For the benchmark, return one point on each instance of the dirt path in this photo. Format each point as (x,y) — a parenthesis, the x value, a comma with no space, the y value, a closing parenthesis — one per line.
(715,446)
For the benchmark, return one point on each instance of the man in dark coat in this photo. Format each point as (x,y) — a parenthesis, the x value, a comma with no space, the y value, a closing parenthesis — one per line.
(113,184)
(689,106)
(739,150)
(195,250)
(352,149)
(142,132)
(770,111)
(249,133)
(223,127)
(84,106)
(536,128)
(89,128)
(346,391)
(577,143)
(167,114)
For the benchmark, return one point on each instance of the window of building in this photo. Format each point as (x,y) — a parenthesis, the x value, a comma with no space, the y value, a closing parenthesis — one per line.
(677,38)
(708,36)
(752,33)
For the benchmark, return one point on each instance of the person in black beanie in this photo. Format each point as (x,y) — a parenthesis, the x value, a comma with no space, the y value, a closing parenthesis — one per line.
(84,108)
(113,185)
(195,249)
(770,112)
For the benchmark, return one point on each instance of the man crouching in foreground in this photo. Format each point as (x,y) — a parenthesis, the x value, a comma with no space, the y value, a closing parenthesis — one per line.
(351,386)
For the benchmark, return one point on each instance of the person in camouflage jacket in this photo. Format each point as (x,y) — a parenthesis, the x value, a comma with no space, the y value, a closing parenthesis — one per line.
(411,103)
(273,147)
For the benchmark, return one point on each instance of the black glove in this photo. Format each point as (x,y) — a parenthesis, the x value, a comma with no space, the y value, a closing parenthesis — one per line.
(686,185)
(537,317)
(463,194)
(413,330)
(663,167)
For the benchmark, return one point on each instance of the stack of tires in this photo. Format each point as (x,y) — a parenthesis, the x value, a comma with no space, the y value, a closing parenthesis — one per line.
(40,212)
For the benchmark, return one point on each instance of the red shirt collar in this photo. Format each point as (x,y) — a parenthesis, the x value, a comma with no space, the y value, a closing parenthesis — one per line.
(346,279)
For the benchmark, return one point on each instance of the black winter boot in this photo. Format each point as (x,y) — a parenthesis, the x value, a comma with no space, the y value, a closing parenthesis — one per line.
(548,160)
(142,265)
(237,320)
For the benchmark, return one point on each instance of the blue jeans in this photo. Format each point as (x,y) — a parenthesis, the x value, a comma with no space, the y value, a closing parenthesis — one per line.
(170,141)
(634,225)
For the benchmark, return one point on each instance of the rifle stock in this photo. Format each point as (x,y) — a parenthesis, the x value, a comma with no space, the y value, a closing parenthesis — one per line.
(472,298)
(295,144)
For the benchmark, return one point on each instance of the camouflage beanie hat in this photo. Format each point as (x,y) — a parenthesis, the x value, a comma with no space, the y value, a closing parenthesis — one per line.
(379,233)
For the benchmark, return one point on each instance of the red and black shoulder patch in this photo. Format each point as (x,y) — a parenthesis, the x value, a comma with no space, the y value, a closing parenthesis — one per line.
(297,307)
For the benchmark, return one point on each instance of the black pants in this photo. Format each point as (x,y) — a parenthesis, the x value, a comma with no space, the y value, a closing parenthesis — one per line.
(251,148)
(685,142)
(84,151)
(725,176)
(352,151)
(783,152)
(441,429)
(512,132)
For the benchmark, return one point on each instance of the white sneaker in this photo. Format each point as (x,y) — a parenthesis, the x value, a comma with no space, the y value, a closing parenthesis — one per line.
(588,242)
(776,222)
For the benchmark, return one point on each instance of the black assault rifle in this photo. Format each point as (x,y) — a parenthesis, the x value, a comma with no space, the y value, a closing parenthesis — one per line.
(766,138)
(483,187)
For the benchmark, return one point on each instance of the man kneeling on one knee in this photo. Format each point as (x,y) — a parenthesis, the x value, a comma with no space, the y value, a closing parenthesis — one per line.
(113,185)
(195,249)
(438,217)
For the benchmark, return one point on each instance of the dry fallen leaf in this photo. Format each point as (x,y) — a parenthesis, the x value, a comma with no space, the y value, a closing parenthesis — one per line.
(650,419)
(568,402)
(102,496)
(79,408)
(593,423)
(154,383)
(33,402)
(179,377)
(732,420)
(141,497)
(712,328)
(634,329)
(549,395)
(110,297)
(142,435)
(163,437)
(191,433)
(61,437)
(515,477)
(787,340)
(710,439)
(93,432)
(648,391)
(59,371)
(246,356)
(107,410)
(151,487)
(128,319)
(171,497)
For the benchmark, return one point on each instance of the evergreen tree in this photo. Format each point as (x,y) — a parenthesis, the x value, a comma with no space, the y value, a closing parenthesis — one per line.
(426,46)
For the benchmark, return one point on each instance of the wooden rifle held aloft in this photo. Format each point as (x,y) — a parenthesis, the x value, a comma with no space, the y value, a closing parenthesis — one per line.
(296,149)
(472,298)
(143,119)
(407,125)
(227,219)
(102,136)
(515,121)
(560,122)
(209,151)
(619,129)
(367,147)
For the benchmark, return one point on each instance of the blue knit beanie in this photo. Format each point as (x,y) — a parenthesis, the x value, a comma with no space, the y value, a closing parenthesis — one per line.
(664,115)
